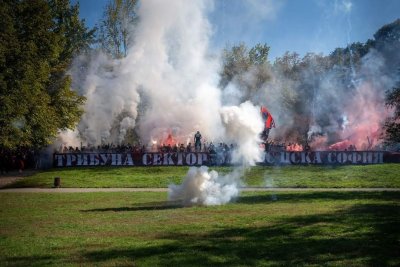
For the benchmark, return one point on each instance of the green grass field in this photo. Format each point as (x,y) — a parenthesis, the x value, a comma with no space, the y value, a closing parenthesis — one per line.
(382,175)
(303,228)
(142,229)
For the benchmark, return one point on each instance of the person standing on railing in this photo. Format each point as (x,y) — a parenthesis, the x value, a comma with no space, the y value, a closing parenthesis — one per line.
(197,141)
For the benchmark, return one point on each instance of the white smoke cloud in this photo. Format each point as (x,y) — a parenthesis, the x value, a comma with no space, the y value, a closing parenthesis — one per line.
(126,124)
(170,70)
(343,6)
(168,65)
(112,98)
(174,69)
(66,138)
(201,187)
(243,125)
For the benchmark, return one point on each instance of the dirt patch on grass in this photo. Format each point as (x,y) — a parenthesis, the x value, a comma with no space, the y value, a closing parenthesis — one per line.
(6,179)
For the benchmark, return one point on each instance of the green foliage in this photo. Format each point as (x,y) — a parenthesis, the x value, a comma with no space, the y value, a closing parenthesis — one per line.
(235,61)
(352,54)
(38,41)
(118,18)
(392,124)
(258,54)
(77,37)
(389,33)
(238,61)
(289,65)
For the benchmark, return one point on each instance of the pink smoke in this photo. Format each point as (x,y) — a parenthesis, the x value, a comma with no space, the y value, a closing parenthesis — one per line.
(319,143)
(342,145)
(366,115)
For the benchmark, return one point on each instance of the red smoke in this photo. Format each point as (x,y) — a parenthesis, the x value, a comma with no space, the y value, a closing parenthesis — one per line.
(366,115)
(341,146)
(294,147)
(170,141)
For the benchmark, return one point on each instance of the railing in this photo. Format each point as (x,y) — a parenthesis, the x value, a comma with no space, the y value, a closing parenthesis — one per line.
(202,158)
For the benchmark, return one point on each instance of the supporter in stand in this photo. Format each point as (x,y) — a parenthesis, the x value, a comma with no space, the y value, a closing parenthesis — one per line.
(220,154)
(143,149)
(213,154)
(228,155)
(205,147)
(3,168)
(307,147)
(20,161)
(154,147)
(189,148)
(181,148)
(175,148)
(37,159)
(197,141)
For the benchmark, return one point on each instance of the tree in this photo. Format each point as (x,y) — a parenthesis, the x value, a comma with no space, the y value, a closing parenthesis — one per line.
(387,43)
(113,35)
(38,41)
(258,55)
(389,33)
(392,124)
(289,65)
(76,39)
(247,68)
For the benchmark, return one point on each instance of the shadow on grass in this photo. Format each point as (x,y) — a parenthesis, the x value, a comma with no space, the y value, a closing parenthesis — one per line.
(162,205)
(28,261)
(316,196)
(362,235)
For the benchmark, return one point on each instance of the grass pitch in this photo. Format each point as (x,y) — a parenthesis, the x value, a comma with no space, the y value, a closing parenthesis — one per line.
(258,229)
(142,229)
(382,175)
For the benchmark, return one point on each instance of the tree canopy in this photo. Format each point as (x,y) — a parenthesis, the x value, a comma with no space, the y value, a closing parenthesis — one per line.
(115,26)
(239,61)
(392,124)
(37,42)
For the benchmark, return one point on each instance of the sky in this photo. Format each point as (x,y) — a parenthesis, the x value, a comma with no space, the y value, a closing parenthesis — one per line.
(300,26)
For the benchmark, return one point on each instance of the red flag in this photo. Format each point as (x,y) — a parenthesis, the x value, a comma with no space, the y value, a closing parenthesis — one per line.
(269,121)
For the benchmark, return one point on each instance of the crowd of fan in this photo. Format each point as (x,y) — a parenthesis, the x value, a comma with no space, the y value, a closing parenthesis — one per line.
(220,154)
(273,146)
(19,159)
(163,148)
